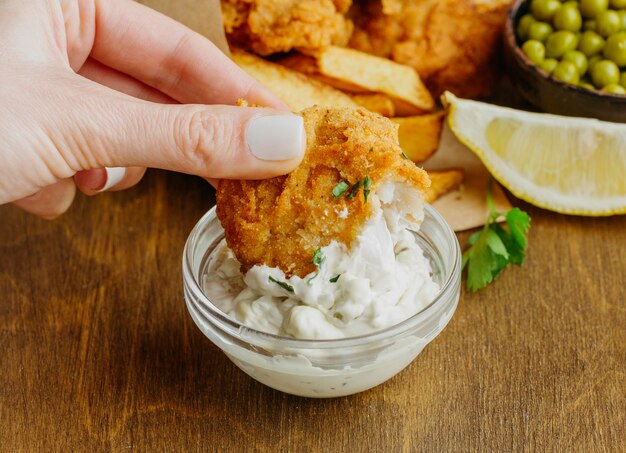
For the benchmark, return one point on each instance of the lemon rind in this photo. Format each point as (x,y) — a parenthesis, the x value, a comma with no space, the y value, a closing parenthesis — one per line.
(517,188)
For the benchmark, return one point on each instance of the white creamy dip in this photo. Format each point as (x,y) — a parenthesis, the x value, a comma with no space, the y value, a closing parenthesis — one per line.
(381,280)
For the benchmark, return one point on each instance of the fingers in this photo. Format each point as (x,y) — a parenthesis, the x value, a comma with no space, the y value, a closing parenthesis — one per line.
(165,55)
(51,201)
(92,182)
(208,141)
(99,73)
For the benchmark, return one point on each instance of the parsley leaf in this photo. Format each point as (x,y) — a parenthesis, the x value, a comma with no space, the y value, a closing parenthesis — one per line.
(340,189)
(335,278)
(495,247)
(285,285)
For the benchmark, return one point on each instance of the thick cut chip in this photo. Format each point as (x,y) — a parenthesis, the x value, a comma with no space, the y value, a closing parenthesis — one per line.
(419,135)
(356,71)
(281,221)
(294,89)
(442,182)
(375,102)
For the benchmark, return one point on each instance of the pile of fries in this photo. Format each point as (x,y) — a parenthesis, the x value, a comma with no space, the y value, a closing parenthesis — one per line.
(342,77)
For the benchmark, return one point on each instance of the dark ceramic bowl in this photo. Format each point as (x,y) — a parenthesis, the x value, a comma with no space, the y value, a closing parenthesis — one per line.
(546,92)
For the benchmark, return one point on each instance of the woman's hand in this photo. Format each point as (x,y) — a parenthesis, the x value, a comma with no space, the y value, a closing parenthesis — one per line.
(89,97)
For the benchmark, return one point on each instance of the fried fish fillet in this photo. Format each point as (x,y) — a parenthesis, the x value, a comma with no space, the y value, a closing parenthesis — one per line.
(452,44)
(270,26)
(280,222)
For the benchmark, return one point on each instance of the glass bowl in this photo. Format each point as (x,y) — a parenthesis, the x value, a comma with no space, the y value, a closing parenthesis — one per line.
(325,368)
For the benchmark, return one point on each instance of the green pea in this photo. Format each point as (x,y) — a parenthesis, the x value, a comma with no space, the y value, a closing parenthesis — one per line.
(607,23)
(534,50)
(566,72)
(622,18)
(544,9)
(591,8)
(560,42)
(589,25)
(539,31)
(604,73)
(614,88)
(523,25)
(622,79)
(586,85)
(590,43)
(568,18)
(549,64)
(615,48)
(578,58)
(592,61)
(618,4)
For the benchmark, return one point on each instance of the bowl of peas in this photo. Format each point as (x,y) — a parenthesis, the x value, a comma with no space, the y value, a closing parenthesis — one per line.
(569,57)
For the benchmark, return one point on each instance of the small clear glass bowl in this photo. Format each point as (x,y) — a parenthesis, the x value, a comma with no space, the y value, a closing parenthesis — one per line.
(325,368)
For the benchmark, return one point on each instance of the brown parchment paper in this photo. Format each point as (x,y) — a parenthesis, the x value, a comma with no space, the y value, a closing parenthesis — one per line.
(202,16)
(463,208)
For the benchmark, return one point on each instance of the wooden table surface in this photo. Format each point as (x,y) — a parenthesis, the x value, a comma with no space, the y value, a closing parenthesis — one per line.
(98,353)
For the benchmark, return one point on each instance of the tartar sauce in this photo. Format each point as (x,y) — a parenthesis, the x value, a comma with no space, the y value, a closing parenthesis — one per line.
(382,279)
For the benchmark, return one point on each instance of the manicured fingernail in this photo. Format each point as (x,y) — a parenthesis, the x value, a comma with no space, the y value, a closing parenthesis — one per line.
(276,137)
(114,177)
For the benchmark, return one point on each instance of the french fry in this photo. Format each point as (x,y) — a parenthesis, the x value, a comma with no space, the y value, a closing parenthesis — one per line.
(375,102)
(442,182)
(355,71)
(295,89)
(419,135)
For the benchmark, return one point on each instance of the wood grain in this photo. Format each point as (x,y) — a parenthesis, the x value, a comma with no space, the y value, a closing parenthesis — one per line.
(98,352)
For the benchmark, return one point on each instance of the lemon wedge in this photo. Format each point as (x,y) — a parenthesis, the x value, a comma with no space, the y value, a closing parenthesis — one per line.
(568,165)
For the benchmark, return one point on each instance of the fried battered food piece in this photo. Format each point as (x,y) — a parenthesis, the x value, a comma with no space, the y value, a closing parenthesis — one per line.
(280,222)
(271,26)
(452,44)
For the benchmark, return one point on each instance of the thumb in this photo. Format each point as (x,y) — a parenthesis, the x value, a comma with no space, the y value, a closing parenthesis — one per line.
(209,141)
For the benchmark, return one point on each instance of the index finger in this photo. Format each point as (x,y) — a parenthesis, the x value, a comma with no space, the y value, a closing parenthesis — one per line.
(168,56)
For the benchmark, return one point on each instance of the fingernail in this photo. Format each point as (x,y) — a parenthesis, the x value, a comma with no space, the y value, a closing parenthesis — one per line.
(276,137)
(114,177)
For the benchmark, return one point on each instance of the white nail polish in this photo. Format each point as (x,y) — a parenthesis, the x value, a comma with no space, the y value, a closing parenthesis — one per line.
(276,137)
(114,177)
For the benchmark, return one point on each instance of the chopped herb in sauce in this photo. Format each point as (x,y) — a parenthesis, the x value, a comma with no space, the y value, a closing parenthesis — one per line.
(403,154)
(335,278)
(340,189)
(284,285)
(318,259)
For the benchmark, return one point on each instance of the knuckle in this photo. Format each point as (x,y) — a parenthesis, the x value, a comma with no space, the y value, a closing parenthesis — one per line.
(205,138)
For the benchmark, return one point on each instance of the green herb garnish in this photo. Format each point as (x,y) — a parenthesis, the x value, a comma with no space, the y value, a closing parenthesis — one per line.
(340,189)
(335,278)
(494,247)
(318,259)
(371,149)
(343,186)
(367,184)
(284,285)
(403,154)
(355,189)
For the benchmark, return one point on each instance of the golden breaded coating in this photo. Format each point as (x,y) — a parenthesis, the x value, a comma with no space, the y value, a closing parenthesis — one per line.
(280,222)
(452,44)
(271,26)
